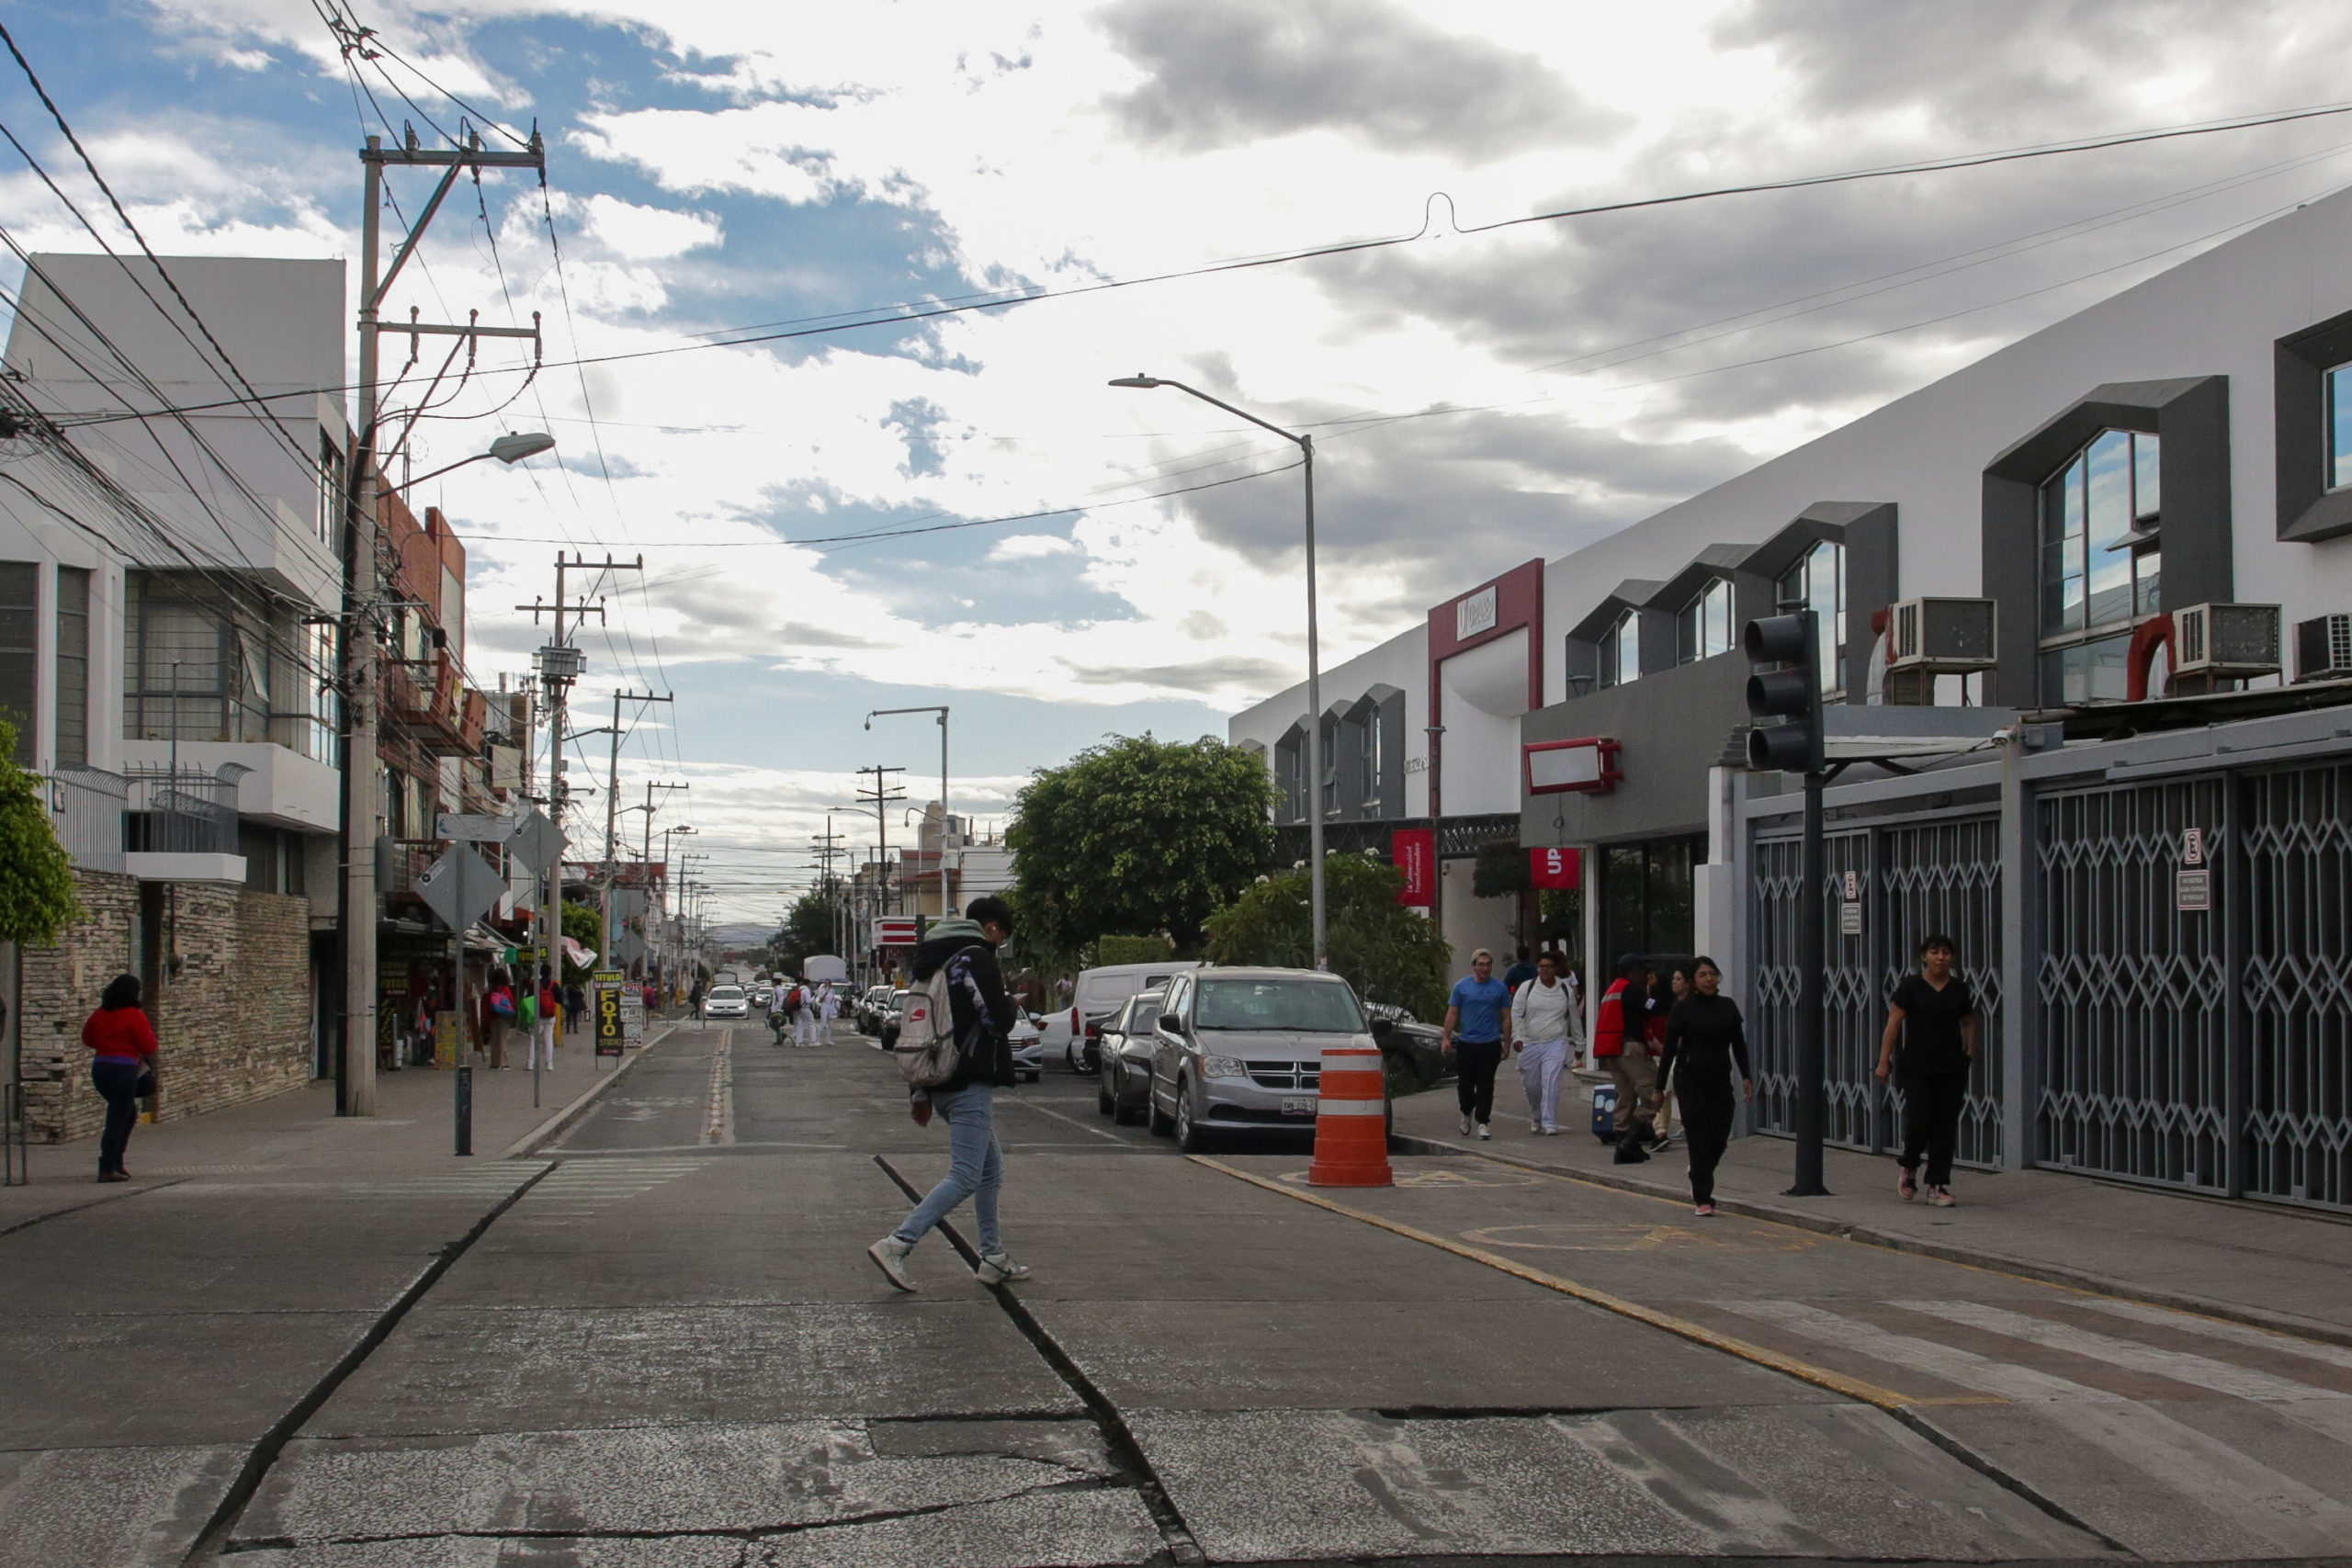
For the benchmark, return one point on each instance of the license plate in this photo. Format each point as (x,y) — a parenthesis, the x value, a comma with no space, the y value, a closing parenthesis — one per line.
(1298,1105)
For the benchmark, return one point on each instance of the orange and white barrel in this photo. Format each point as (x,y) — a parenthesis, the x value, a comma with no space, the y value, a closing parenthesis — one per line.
(1351,1120)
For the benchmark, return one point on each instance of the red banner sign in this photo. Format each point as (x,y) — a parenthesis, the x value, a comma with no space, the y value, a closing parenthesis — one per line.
(1413,851)
(1556,868)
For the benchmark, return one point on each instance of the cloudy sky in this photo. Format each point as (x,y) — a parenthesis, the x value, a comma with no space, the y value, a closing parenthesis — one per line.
(716,165)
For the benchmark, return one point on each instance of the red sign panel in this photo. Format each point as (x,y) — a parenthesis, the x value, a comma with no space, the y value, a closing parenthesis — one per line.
(1556,868)
(1413,851)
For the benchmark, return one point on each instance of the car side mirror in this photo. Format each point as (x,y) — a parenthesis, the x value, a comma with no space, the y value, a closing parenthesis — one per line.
(1171,1023)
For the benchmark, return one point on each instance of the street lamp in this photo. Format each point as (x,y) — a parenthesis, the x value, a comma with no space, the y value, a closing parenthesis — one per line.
(506,449)
(1306,444)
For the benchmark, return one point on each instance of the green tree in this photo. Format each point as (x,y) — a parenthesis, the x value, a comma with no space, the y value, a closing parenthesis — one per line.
(1139,835)
(808,930)
(37,899)
(1385,951)
(584,924)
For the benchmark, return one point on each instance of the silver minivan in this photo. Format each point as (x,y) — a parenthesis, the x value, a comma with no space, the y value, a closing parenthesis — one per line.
(1241,1050)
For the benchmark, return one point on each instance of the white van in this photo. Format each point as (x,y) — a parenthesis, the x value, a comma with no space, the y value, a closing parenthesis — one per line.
(1072,1033)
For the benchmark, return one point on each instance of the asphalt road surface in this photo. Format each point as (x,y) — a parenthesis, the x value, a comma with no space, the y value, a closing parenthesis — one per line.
(660,1344)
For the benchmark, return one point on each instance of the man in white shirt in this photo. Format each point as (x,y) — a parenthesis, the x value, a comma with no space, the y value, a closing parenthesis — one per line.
(808,1017)
(779,1007)
(1545,1018)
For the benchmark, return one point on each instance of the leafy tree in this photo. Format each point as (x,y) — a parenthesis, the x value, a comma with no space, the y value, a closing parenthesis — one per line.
(584,924)
(37,897)
(1131,949)
(1139,835)
(808,930)
(1385,951)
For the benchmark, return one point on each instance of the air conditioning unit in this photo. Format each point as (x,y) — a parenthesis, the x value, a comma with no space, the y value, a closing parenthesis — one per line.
(1942,637)
(2227,642)
(2324,648)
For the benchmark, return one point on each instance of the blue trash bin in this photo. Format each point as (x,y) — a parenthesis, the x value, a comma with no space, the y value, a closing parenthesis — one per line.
(1604,1112)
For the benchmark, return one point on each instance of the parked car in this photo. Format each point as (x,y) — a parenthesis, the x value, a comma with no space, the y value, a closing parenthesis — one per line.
(1070,1033)
(869,1007)
(1413,1052)
(726,1001)
(1028,1046)
(892,1012)
(1122,1087)
(1241,1050)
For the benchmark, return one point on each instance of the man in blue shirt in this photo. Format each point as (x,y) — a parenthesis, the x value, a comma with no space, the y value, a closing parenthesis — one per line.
(1477,1031)
(1521,972)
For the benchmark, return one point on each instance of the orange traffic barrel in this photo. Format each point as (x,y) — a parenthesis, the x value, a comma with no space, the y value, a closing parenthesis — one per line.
(1351,1120)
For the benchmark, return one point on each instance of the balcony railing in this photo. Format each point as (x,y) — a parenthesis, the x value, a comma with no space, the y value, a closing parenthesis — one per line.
(86,806)
(424,698)
(182,811)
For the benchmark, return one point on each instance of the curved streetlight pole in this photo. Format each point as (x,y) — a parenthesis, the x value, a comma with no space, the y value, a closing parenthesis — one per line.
(1306,444)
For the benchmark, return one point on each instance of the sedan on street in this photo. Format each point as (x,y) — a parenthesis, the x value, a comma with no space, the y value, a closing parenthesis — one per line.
(726,1001)
(1241,1050)
(892,1013)
(1121,1091)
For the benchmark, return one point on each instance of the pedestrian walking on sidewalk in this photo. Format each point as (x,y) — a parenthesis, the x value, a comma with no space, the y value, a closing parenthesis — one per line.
(550,1019)
(1477,1031)
(1544,1020)
(1704,1041)
(575,1005)
(1934,1016)
(499,1010)
(981,1016)
(122,1067)
(1620,1049)
(1520,972)
(694,999)
(1663,997)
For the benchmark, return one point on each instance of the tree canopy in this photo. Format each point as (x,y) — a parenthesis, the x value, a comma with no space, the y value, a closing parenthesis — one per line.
(36,875)
(1385,951)
(808,931)
(1139,835)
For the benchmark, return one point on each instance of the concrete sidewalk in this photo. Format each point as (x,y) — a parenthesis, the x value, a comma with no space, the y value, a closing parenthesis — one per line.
(2259,1263)
(298,1133)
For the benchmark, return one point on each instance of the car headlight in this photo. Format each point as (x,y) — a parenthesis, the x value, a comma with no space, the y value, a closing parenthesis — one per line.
(1224,1067)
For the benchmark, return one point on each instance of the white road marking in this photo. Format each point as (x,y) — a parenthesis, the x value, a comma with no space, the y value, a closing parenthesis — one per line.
(2222,1328)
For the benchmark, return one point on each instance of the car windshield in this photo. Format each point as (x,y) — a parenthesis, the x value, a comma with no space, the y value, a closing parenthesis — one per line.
(1316,1006)
(726,994)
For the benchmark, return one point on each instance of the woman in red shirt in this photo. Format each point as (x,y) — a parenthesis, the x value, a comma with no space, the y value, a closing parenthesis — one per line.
(122,1051)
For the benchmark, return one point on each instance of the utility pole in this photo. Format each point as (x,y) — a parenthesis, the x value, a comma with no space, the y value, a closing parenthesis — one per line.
(612,817)
(881,797)
(356,1061)
(947,903)
(827,848)
(559,665)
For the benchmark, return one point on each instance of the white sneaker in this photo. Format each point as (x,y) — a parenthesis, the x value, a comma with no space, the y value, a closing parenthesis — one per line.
(1482,1131)
(889,1254)
(1551,1132)
(998,1269)
(1465,1126)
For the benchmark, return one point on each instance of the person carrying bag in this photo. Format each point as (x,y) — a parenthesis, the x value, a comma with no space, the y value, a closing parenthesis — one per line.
(122,1067)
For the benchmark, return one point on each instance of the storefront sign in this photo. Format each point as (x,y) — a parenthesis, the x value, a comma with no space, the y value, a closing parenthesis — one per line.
(1573,767)
(606,1011)
(894,931)
(1555,869)
(1475,613)
(1413,851)
(2192,891)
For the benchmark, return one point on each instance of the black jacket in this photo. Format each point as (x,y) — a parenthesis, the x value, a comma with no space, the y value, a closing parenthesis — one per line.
(977,1006)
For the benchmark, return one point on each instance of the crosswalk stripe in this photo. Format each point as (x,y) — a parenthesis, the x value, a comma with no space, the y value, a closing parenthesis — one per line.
(2221,1329)
(2180,1366)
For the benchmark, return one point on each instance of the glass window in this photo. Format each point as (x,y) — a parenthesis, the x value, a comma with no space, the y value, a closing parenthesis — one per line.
(1703,629)
(1621,651)
(325,707)
(21,651)
(193,667)
(1818,584)
(1313,1007)
(73,664)
(2085,672)
(2101,566)
(2339,427)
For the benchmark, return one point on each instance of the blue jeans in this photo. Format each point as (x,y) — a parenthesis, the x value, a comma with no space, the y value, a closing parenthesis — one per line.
(975,1166)
(117,1085)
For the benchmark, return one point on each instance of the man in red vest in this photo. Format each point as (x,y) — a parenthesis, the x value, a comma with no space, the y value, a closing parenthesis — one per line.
(1620,1049)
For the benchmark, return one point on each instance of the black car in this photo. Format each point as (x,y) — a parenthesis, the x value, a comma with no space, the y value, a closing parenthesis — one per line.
(1122,1087)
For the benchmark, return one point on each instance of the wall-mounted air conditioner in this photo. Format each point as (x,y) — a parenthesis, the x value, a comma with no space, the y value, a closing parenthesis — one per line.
(2228,641)
(1942,637)
(2324,648)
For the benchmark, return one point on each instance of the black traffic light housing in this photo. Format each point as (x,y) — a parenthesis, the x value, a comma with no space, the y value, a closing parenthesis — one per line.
(1790,693)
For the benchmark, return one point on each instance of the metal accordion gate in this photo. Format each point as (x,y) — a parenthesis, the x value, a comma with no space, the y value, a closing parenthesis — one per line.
(1937,873)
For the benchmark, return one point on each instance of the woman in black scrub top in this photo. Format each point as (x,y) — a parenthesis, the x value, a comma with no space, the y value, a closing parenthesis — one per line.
(1934,1017)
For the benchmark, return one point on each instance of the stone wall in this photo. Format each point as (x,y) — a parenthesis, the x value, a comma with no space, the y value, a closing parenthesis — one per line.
(235,1023)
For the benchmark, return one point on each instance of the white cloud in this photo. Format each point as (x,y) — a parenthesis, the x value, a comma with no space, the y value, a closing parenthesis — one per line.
(649,233)
(1032,546)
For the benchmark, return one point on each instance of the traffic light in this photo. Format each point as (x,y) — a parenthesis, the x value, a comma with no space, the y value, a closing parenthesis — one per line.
(1789,692)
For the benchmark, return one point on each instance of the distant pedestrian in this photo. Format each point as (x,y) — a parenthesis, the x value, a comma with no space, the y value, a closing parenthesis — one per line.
(1477,1032)
(500,1009)
(694,998)
(1934,1016)
(1620,1050)
(1520,973)
(550,1019)
(1705,1038)
(122,1067)
(981,1016)
(806,1018)
(1664,995)
(1544,1021)
(779,1007)
(575,1005)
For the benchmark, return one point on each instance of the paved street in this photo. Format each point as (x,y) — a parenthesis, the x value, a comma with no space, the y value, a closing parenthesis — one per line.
(657,1341)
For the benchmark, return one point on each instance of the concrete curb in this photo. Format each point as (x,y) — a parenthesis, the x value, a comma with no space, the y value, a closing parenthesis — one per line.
(1976,1257)
(545,1133)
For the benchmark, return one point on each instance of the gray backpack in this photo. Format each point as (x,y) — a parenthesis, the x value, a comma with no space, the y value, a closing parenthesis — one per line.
(927,1051)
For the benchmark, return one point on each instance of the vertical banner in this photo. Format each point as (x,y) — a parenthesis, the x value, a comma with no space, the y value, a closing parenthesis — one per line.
(1413,851)
(607,1009)
(1555,869)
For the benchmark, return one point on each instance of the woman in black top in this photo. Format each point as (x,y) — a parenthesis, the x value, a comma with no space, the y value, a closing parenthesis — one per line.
(1933,1014)
(1706,1038)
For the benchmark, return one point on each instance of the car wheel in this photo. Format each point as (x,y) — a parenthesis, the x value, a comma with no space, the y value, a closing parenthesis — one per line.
(1162,1125)
(1191,1137)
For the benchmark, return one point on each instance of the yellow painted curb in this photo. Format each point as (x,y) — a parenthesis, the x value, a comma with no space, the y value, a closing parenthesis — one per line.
(1821,1377)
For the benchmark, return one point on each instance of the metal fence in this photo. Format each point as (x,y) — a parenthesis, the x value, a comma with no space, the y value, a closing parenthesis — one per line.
(2295,843)
(87,806)
(182,811)
(1913,878)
